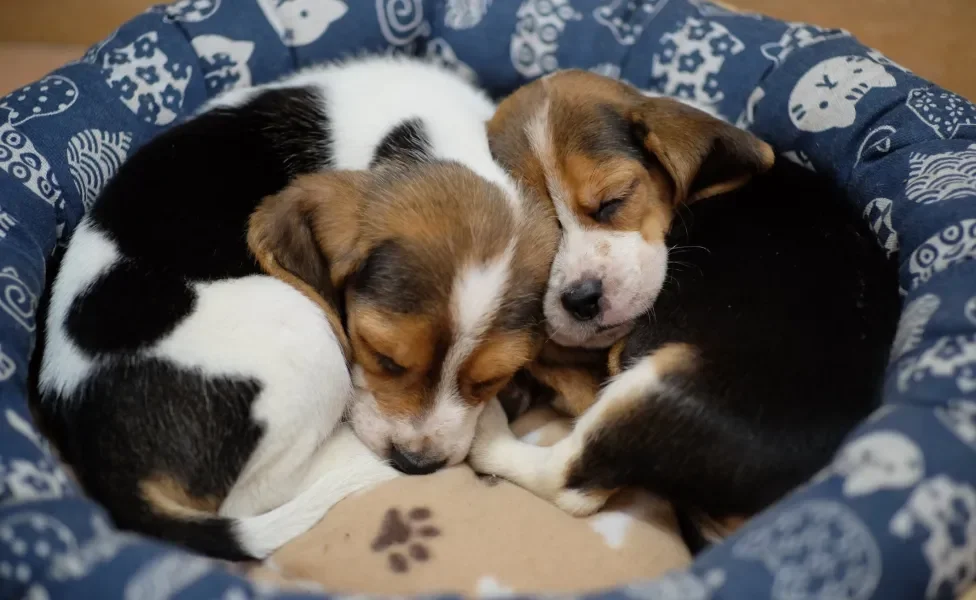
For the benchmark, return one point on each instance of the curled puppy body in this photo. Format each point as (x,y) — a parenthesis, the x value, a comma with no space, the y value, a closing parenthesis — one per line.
(739,363)
(201,400)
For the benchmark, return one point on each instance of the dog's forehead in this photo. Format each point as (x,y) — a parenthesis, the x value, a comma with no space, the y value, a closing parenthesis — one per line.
(452,250)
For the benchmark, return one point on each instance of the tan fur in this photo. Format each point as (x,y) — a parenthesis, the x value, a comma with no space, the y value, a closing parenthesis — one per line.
(613,359)
(169,497)
(674,358)
(668,359)
(580,107)
(319,230)
(681,138)
(494,362)
(288,232)
(407,339)
(576,388)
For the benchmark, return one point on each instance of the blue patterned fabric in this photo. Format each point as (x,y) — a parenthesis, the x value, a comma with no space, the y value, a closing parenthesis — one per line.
(893,517)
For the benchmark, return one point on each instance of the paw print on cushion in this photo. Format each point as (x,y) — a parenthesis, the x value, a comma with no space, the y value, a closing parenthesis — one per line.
(405,536)
(147,81)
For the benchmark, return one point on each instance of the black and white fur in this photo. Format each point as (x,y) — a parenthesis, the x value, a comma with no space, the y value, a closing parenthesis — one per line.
(168,352)
(791,307)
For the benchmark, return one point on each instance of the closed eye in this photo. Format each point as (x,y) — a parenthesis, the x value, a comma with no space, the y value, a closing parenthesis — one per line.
(479,388)
(607,209)
(389,365)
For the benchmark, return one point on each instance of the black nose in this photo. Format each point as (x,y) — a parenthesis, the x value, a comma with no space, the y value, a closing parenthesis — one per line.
(414,464)
(582,299)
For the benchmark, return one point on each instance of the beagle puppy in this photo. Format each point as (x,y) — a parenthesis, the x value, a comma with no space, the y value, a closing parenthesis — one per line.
(195,371)
(717,342)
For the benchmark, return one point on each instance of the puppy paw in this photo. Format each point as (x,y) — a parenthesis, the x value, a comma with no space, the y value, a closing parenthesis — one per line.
(490,437)
(493,423)
(581,503)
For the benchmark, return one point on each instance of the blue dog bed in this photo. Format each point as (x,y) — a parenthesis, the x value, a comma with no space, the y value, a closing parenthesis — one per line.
(893,517)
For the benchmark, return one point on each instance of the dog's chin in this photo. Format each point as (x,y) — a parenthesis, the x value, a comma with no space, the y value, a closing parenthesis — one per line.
(572,334)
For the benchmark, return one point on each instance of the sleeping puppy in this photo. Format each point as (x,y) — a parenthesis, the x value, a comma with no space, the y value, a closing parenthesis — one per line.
(199,399)
(735,371)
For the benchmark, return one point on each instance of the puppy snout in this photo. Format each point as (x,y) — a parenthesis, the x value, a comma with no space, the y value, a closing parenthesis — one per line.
(414,463)
(582,299)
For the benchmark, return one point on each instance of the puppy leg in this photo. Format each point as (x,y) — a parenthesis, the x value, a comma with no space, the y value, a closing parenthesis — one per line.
(541,470)
(549,472)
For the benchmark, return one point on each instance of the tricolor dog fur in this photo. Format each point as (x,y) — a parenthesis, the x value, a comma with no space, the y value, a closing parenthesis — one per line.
(718,328)
(196,366)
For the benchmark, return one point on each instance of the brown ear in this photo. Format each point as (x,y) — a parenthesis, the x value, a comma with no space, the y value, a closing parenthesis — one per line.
(307,235)
(311,229)
(703,155)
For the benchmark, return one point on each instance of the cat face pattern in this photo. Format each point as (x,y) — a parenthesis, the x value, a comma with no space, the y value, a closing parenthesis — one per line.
(301,22)
(826,96)
(191,11)
(940,511)
(797,36)
(223,62)
(880,460)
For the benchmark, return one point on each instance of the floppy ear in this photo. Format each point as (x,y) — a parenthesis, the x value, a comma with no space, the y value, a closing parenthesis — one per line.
(310,230)
(307,235)
(703,155)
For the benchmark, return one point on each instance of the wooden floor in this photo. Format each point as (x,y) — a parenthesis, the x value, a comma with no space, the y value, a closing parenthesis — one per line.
(934,38)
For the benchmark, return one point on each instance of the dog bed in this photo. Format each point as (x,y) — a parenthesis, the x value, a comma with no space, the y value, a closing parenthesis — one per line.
(893,517)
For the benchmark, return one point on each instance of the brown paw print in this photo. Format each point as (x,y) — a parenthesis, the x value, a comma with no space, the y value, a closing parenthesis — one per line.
(395,531)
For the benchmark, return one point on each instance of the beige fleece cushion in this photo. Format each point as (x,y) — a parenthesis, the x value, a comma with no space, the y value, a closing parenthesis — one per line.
(454,531)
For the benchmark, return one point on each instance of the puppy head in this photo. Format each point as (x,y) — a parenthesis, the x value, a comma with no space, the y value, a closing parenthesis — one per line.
(616,165)
(442,277)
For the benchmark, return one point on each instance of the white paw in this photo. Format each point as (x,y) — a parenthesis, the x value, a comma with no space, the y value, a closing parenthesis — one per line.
(581,503)
(493,423)
(490,437)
